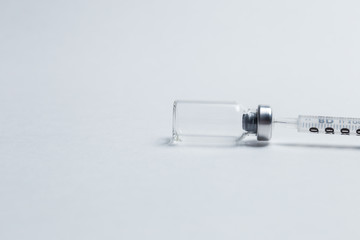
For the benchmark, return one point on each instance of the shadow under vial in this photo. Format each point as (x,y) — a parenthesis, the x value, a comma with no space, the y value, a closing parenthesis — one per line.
(168,142)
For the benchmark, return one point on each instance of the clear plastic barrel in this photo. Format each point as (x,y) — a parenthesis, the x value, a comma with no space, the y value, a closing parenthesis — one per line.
(329,125)
(197,121)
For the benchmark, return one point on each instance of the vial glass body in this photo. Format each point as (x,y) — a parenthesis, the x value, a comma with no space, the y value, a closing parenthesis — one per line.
(197,121)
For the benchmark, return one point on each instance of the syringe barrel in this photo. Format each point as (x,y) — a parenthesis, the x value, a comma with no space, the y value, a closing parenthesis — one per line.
(329,125)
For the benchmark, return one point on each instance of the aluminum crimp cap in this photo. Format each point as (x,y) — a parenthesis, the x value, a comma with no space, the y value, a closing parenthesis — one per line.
(264,123)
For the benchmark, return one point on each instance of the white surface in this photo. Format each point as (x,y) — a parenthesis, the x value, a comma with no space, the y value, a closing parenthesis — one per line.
(86,92)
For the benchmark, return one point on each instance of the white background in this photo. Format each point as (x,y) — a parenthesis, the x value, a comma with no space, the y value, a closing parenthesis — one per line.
(86,92)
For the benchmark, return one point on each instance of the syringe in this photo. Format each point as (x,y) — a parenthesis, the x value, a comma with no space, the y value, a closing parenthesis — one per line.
(228,121)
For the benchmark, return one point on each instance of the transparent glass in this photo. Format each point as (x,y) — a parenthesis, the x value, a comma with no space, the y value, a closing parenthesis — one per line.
(197,121)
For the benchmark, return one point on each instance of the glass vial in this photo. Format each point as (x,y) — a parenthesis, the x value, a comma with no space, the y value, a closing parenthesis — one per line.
(218,122)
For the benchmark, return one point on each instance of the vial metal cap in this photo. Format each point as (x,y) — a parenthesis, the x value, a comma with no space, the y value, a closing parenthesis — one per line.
(264,123)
